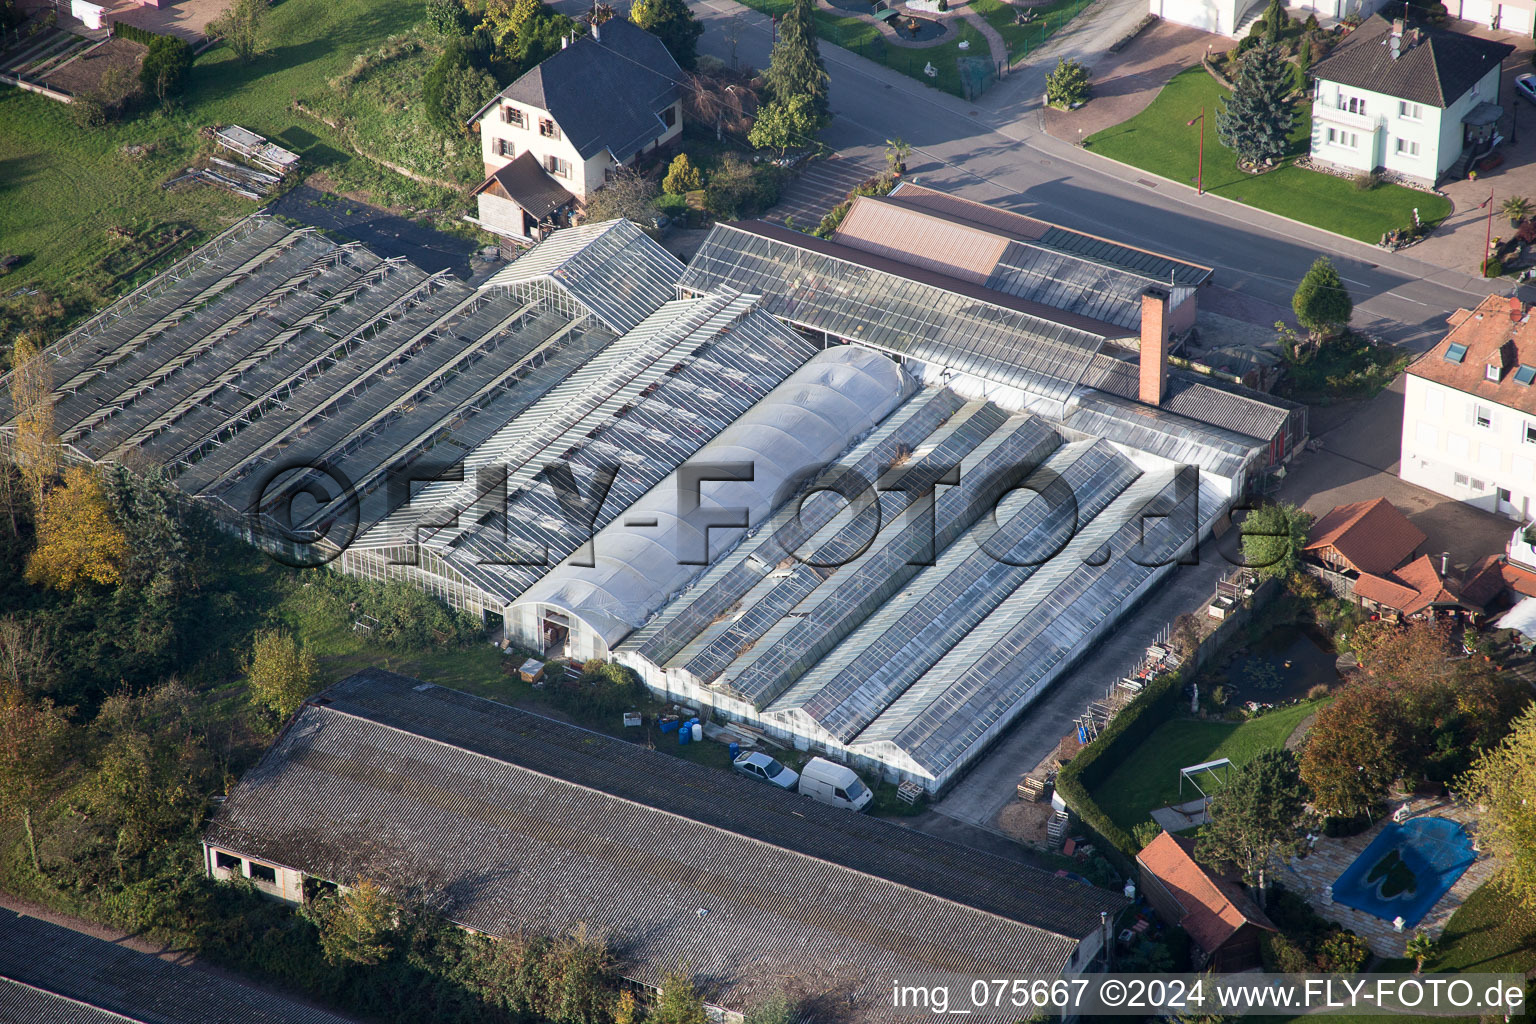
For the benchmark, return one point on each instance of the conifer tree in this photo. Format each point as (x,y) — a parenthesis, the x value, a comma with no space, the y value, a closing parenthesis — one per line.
(795,67)
(673,23)
(1256,120)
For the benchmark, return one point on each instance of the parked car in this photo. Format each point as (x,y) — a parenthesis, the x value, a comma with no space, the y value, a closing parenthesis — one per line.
(1525,85)
(759,766)
(832,783)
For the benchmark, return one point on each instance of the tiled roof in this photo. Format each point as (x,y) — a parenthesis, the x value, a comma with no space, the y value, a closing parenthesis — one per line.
(1498,331)
(1409,589)
(1214,908)
(1373,536)
(1436,71)
(1521,581)
(529,186)
(524,824)
(53,975)
(1484,582)
(606,94)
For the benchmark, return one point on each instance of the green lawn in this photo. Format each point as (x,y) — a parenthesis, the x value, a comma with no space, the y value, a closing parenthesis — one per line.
(862,37)
(62,187)
(1158,140)
(1149,778)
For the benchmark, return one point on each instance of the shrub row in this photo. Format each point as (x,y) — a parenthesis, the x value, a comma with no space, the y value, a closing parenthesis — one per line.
(1093,764)
(134,34)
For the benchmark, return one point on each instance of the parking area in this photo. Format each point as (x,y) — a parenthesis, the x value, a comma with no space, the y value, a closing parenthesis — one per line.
(1361,445)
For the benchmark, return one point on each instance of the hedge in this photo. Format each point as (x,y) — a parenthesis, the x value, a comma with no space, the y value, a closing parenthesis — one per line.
(134,34)
(1128,730)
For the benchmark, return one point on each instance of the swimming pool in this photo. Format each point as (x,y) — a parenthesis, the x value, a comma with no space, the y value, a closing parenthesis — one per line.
(1406,869)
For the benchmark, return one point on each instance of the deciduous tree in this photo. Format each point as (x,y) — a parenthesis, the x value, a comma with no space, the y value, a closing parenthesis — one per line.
(77,541)
(1273,538)
(780,126)
(37,443)
(32,749)
(356,926)
(1255,120)
(1322,304)
(240,27)
(1504,781)
(629,195)
(282,672)
(794,66)
(679,1003)
(673,23)
(164,71)
(1354,750)
(1258,814)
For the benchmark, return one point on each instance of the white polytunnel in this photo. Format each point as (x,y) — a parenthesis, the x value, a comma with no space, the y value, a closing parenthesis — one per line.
(644,557)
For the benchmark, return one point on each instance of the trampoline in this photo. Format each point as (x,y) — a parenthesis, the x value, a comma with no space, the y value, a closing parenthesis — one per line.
(1406,869)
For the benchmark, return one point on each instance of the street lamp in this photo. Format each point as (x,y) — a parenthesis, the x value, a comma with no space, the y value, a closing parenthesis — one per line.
(1200,166)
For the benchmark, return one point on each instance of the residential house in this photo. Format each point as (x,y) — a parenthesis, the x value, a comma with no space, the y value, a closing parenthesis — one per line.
(554,136)
(1514,16)
(516,824)
(1224,924)
(1233,17)
(1425,588)
(1416,103)
(1469,411)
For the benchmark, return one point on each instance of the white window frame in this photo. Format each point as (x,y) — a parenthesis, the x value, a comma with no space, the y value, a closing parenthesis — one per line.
(1407,147)
(1530,432)
(1492,371)
(1482,415)
(1409,111)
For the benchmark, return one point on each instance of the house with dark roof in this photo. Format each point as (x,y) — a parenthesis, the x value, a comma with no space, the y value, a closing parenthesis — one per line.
(1419,103)
(1222,921)
(517,824)
(1469,411)
(555,136)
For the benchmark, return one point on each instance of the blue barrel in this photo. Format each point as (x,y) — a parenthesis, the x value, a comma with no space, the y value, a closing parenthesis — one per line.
(684,736)
(734,748)
(667,726)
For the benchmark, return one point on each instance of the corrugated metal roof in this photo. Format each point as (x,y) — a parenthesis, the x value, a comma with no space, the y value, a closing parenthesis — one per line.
(523,824)
(54,975)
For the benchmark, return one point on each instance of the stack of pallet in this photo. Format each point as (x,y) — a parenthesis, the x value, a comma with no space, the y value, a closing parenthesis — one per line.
(1032,787)
(1056,828)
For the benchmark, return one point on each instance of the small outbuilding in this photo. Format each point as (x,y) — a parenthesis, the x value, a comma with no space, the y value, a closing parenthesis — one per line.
(1223,923)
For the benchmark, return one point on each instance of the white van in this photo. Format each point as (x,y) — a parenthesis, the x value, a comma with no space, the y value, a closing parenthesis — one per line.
(833,784)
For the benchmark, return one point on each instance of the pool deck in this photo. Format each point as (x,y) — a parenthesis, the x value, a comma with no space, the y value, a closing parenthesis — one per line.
(1313,874)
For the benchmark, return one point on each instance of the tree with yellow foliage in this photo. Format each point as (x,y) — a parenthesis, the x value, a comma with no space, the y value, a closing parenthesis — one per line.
(77,541)
(37,443)
(282,672)
(1502,783)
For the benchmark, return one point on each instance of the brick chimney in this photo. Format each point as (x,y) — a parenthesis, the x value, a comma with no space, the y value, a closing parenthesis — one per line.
(1154,346)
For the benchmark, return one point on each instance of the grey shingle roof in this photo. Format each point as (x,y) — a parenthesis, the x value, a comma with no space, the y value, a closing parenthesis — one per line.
(1209,400)
(526,823)
(605,94)
(52,975)
(529,185)
(1436,71)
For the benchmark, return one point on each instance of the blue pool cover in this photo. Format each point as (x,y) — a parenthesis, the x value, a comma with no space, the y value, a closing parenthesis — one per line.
(1436,850)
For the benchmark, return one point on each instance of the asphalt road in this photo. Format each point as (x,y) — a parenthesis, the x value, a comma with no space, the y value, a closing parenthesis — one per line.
(993,150)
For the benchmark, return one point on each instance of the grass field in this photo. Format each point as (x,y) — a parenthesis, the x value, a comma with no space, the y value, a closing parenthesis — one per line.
(62,187)
(1158,140)
(1022,39)
(1149,778)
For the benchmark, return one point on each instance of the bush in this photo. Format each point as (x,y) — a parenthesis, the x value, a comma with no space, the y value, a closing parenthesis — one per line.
(454,88)
(682,177)
(739,189)
(672,206)
(164,71)
(1247,43)
(447,17)
(603,690)
(1067,85)
(1366,182)
(135,34)
(1494,268)
(1317,692)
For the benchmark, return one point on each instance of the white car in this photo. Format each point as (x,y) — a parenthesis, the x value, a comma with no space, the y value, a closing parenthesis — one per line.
(759,766)
(1525,85)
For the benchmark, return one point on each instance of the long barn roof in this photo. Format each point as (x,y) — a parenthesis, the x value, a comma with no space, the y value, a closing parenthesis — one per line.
(525,824)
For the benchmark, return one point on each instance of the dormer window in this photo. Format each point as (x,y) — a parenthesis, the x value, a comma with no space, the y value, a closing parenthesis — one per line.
(1493,371)
(513,116)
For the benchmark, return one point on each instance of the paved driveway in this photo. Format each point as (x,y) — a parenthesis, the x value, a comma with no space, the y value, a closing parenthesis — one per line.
(1126,83)
(1458,242)
(1362,442)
